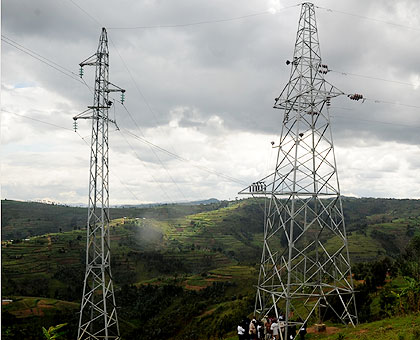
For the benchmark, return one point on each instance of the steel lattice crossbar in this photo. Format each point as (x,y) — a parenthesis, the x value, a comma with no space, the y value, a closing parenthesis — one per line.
(305,268)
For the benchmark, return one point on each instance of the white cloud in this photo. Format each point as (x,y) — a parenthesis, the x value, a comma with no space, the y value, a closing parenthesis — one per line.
(379,171)
(274,6)
(415,79)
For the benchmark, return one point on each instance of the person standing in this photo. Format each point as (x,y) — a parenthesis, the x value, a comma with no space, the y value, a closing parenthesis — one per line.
(282,327)
(303,331)
(253,329)
(260,330)
(246,326)
(275,329)
(291,330)
(241,332)
(268,331)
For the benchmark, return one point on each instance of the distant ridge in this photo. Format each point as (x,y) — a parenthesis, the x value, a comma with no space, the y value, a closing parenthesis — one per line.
(150,205)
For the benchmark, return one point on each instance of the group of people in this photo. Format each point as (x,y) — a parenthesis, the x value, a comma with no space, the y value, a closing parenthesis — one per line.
(269,329)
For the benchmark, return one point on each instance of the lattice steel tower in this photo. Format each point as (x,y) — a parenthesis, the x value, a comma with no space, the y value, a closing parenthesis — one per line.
(305,268)
(98,314)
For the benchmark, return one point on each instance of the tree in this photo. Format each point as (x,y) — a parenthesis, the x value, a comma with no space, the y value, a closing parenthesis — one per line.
(53,332)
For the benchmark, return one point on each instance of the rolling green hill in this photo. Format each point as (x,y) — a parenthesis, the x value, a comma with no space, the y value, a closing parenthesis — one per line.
(25,219)
(200,258)
(179,240)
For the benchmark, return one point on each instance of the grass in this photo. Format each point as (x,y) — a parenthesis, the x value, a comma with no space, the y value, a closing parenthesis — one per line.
(22,307)
(396,328)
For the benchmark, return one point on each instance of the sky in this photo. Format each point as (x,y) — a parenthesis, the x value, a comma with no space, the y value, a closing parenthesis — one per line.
(200,80)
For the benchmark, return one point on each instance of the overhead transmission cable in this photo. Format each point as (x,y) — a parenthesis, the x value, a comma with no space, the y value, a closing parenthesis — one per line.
(138,89)
(76,77)
(86,12)
(137,126)
(172,154)
(46,61)
(81,137)
(373,78)
(369,18)
(41,58)
(373,121)
(182,159)
(37,120)
(204,22)
(150,173)
(381,101)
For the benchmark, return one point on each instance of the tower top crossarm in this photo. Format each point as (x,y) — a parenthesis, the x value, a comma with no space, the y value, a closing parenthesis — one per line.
(102,49)
(100,60)
(307,76)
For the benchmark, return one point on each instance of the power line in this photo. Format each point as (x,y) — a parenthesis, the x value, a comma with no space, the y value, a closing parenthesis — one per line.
(205,22)
(373,78)
(170,153)
(381,101)
(86,12)
(135,83)
(154,153)
(41,60)
(37,120)
(182,159)
(112,174)
(374,121)
(44,60)
(369,18)
(37,54)
(81,137)
(153,177)
(138,89)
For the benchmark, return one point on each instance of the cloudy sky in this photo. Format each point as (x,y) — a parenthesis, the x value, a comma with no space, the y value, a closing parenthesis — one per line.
(203,92)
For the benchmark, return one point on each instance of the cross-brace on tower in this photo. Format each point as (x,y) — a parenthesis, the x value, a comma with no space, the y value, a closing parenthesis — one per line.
(98,313)
(305,268)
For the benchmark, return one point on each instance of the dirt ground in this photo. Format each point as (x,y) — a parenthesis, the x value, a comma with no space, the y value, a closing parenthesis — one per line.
(329,330)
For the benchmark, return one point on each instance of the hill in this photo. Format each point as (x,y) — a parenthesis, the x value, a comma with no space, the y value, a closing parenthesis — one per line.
(199,258)
(25,219)
(375,227)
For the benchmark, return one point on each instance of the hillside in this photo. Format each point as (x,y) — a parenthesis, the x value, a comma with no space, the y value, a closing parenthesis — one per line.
(199,258)
(374,226)
(25,219)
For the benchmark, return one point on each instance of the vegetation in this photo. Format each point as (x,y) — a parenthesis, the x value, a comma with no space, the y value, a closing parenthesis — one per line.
(188,271)
(54,332)
(25,219)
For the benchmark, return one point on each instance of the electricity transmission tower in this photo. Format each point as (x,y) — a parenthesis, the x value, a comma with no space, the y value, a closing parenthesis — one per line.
(98,313)
(305,269)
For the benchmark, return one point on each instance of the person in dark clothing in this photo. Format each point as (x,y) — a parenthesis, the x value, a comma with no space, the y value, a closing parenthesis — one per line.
(246,326)
(282,327)
(260,330)
(303,331)
(291,331)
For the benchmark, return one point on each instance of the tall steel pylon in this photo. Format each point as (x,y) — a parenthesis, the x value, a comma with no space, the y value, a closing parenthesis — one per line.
(305,266)
(98,313)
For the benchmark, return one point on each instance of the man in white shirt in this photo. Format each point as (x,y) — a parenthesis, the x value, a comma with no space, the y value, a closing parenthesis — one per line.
(275,329)
(241,332)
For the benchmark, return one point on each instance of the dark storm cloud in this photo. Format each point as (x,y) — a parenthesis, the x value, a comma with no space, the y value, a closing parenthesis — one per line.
(232,69)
